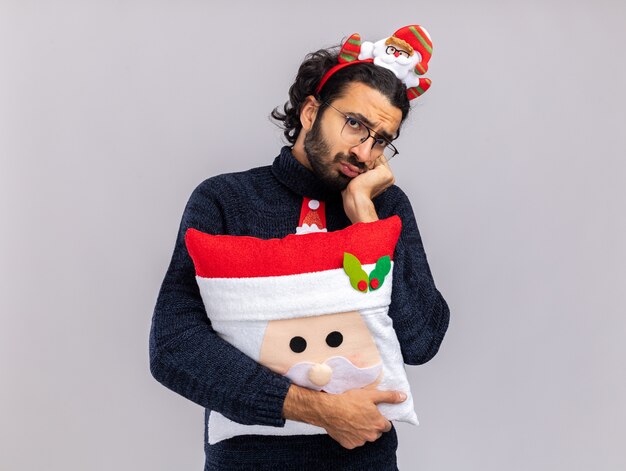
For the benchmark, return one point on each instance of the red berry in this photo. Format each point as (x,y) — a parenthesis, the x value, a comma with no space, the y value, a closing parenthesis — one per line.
(362,285)
(374,283)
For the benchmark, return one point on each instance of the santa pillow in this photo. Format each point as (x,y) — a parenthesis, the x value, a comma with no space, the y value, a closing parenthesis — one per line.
(313,307)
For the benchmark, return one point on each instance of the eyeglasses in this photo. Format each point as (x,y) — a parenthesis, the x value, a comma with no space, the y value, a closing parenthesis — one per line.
(355,133)
(391,50)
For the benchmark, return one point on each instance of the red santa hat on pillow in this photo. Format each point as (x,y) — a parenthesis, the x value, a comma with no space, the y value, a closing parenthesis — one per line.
(246,282)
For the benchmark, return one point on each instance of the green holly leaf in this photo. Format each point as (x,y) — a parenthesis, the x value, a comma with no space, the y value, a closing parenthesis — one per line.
(380,271)
(358,278)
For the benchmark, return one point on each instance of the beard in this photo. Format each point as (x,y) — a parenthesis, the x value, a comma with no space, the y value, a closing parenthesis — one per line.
(317,152)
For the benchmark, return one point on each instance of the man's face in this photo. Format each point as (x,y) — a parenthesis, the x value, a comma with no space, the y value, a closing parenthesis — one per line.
(333,160)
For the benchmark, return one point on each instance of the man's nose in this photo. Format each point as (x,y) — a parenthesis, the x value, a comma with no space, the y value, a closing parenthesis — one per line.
(396,53)
(363,151)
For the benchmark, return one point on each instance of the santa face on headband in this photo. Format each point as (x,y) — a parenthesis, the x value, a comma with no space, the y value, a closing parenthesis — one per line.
(332,353)
(396,55)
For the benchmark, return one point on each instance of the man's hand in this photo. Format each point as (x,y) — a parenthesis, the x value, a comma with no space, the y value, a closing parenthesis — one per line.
(358,195)
(351,418)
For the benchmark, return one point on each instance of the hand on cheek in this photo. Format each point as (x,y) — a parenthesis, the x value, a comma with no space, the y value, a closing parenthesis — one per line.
(358,195)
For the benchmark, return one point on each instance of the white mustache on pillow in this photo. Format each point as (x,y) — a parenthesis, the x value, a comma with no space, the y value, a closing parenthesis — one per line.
(345,375)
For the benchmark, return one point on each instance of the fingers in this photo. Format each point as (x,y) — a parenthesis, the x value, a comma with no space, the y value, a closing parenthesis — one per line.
(387,426)
(375,434)
(360,420)
(382,160)
(392,397)
(380,177)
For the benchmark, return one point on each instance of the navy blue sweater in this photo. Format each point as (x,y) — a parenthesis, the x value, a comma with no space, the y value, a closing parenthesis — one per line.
(188,357)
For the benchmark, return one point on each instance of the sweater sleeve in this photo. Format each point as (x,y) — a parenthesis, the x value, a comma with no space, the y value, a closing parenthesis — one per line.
(419,312)
(186,354)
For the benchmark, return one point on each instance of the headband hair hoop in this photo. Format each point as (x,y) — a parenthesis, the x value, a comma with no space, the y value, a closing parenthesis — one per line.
(406,53)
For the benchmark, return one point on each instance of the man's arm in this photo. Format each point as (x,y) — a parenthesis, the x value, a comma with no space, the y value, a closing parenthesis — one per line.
(419,312)
(186,354)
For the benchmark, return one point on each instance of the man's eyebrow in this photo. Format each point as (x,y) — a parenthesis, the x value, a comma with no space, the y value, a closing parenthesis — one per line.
(366,121)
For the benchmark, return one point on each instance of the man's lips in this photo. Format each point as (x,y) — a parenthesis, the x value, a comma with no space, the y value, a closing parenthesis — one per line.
(350,170)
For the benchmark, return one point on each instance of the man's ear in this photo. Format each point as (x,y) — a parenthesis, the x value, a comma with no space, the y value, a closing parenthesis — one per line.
(308,112)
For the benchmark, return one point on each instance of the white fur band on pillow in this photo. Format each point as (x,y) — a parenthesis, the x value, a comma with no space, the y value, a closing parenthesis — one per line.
(287,296)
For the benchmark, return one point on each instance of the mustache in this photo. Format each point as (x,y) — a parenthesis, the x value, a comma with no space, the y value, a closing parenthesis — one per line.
(391,59)
(401,60)
(351,159)
(345,375)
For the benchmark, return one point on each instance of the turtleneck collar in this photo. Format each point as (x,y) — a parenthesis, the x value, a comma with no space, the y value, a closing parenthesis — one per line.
(300,179)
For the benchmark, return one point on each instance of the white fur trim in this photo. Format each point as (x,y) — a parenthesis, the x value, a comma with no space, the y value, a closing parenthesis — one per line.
(306,229)
(289,296)
(221,428)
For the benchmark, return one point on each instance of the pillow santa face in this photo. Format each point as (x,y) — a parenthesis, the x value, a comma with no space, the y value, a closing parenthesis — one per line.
(331,352)
(312,307)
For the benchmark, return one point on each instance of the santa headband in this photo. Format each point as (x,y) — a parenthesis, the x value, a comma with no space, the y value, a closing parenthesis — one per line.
(245,278)
(406,53)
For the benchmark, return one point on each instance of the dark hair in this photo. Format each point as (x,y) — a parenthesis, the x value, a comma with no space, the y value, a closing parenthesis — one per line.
(310,73)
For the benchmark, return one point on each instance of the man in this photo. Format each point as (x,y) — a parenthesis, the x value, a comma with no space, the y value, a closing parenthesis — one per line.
(340,122)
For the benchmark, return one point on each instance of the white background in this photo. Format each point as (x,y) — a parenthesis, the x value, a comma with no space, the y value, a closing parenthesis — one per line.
(111,112)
